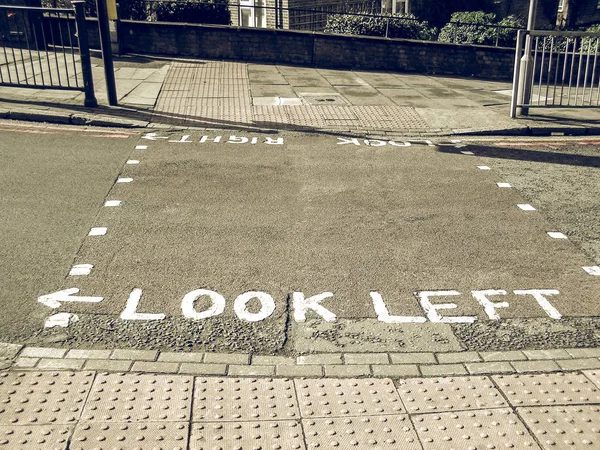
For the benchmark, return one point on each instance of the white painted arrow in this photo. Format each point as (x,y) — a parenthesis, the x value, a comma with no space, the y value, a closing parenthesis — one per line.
(53,300)
(153,137)
(454,144)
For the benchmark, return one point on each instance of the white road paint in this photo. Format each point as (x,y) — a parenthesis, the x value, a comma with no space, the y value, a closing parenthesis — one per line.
(431,310)
(540,297)
(54,300)
(383,314)
(112,203)
(185,139)
(153,136)
(466,152)
(133,161)
(203,139)
(124,180)
(217,307)
(483,167)
(302,305)
(593,270)
(241,302)
(130,311)
(382,143)
(61,320)
(526,207)
(556,235)
(488,306)
(98,231)
(503,185)
(81,269)
(141,147)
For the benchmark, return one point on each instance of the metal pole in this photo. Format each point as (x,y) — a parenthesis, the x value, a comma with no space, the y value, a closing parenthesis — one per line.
(84,54)
(526,73)
(109,70)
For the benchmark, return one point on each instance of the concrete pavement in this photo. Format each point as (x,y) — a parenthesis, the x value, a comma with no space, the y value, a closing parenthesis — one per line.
(218,94)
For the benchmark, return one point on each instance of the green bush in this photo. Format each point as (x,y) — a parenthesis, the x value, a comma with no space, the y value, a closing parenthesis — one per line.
(469,27)
(212,11)
(405,27)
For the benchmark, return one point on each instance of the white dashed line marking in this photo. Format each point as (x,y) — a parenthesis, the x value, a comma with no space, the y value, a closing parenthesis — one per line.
(483,167)
(124,180)
(556,235)
(112,203)
(593,270)
(466,152)
(141,147)
(98,231)
(526,207)
(504,185)
(81,269)
(133,161)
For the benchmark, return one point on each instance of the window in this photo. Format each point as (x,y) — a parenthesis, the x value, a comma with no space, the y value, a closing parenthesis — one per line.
(561,5)
(253,13)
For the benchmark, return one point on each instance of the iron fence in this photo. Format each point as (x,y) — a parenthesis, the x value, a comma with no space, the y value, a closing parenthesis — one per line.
(564,71)
(40,48)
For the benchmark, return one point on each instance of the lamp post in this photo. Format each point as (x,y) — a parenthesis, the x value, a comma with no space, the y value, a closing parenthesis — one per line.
(526,72)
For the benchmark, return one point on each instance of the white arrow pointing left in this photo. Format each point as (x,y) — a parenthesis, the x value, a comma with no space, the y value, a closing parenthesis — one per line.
(53,300)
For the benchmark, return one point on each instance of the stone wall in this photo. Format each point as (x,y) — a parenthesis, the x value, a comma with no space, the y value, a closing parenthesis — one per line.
(315,49)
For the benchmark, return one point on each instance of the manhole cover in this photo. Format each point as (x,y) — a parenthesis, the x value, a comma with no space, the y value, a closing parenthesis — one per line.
(324,99)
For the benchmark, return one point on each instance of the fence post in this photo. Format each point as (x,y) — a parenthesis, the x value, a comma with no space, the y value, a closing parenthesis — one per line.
(84,53)
(105,44)
(517,70)
(387,27)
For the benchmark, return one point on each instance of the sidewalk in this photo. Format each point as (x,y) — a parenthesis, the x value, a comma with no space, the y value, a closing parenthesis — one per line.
(85,409)
(233,95)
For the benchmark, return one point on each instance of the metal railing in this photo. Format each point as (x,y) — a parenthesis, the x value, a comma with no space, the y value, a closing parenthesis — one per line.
(564,71)
(41,48)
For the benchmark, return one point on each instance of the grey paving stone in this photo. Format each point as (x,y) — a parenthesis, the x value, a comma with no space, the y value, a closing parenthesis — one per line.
(5,364)
(155,367)
(584,352)
(227,358)
(443,369)
(512,355)
(547,354)
(535,366)
(327,358)
(272,360)
(43,352)
(299,371)
(110,365)
(180,357)
(25,363)
(203,369)
(252,370)
(579,364)
(347,370)
(490,367)
(9,351)
(51,363)
(135,355)
(458,357)
(366,358)
(413,358)
(395,370)
(88,354)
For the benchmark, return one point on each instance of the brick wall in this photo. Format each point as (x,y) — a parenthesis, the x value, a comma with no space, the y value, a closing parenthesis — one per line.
(315,49)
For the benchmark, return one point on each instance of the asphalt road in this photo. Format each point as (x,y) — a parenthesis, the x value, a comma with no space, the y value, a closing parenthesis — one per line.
(214,245)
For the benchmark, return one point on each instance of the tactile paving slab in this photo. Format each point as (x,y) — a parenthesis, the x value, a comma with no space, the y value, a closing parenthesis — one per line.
(564,427)
(475,430)
(133,398)
(593,375)
(149,435)
(339,398)
(449,394)
(372,432)
(547,389)
(239,399)
(35,437)
(276,435)
(42,397)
